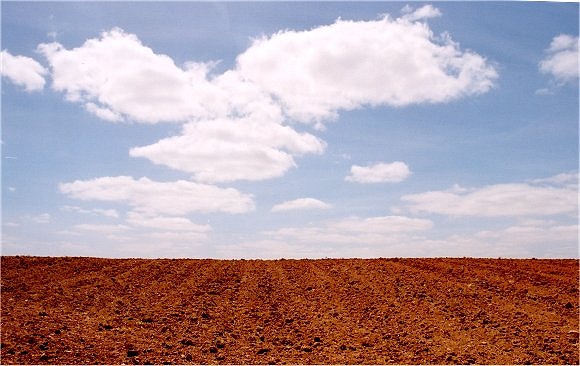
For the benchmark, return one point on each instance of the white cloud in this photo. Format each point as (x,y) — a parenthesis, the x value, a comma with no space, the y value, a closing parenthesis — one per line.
(66,248)
(351,64)
(521,241)
(23,71)
(271,249)
(364,240)
(160,245)
(117,76)
(235,122)
(172,224)
(103,113)
(313,74)
(347,238)
(142,234)
(527,235)
(301,204)
(379,173)
(354,231)
(566,179)
(424,12)
(143,241)
(40,219)
(105,212)
(500,200)
(562,59)
(234,129)
(102,228)
(223,150)
(95,211)
(151,197)
(187,237)
(381,224)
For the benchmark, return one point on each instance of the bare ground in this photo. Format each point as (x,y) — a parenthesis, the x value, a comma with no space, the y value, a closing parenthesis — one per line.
(339,311)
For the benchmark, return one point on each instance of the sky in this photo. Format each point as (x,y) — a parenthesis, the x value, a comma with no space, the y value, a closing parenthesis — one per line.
(290,129)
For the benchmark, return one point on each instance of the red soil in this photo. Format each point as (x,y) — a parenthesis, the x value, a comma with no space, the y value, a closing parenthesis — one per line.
(340,311)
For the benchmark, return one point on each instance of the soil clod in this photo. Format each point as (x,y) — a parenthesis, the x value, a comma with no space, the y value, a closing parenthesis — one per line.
(132,353)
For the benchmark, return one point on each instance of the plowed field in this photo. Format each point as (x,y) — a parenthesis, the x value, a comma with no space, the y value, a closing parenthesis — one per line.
(339,311)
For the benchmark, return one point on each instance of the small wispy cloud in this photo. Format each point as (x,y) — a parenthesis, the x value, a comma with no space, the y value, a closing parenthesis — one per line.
(102,228)
(424,12)
(379,173)
(561,61)
(39,219)
(95,211)
(301,204)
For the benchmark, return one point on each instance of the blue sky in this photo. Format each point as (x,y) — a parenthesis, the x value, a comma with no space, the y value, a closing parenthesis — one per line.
(308,129)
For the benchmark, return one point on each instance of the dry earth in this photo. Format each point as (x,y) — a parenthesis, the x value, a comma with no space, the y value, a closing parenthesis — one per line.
(339,311)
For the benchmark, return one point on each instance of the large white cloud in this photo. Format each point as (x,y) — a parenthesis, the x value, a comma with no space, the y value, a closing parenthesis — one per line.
(160,198)
(537,198)
(312,74)
(235,123)
(23,71)
(350,64)
(222,150)
(234,130)
(379,173)
(116,76)
(562,58)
